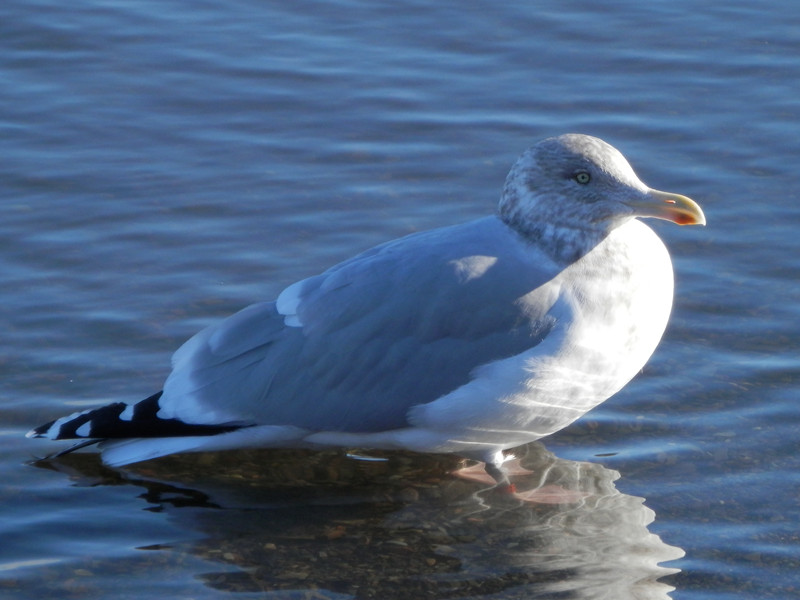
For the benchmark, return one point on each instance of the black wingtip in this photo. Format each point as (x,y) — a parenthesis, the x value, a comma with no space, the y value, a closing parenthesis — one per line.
(71,449)
(40,431)
(120,421)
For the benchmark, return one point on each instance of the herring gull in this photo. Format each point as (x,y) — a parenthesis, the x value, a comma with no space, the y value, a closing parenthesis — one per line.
(469,339)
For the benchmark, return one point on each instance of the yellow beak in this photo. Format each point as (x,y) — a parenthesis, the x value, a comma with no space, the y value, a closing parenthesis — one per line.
(672,207)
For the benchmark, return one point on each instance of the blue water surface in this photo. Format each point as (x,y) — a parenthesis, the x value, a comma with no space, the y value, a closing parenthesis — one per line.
(163,164)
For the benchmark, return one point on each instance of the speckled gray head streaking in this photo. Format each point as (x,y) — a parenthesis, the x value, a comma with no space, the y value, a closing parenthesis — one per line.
(569,192)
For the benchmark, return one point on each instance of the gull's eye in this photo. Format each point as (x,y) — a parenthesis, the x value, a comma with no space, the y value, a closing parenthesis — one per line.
(582,177)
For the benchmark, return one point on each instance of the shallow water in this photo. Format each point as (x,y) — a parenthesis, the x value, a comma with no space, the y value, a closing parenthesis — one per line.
(165,164)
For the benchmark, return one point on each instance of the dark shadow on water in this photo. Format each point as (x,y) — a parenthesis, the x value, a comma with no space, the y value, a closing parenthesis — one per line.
(297,524)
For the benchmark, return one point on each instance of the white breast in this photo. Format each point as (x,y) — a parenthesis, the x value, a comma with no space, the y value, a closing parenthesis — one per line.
(612,309)
(621,295)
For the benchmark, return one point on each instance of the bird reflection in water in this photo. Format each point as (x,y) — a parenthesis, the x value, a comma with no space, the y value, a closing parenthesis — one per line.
(400,527)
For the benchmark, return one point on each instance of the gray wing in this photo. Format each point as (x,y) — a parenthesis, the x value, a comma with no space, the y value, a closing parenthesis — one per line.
(354,348)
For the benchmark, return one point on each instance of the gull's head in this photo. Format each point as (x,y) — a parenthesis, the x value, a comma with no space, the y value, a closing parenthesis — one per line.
(576,188)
